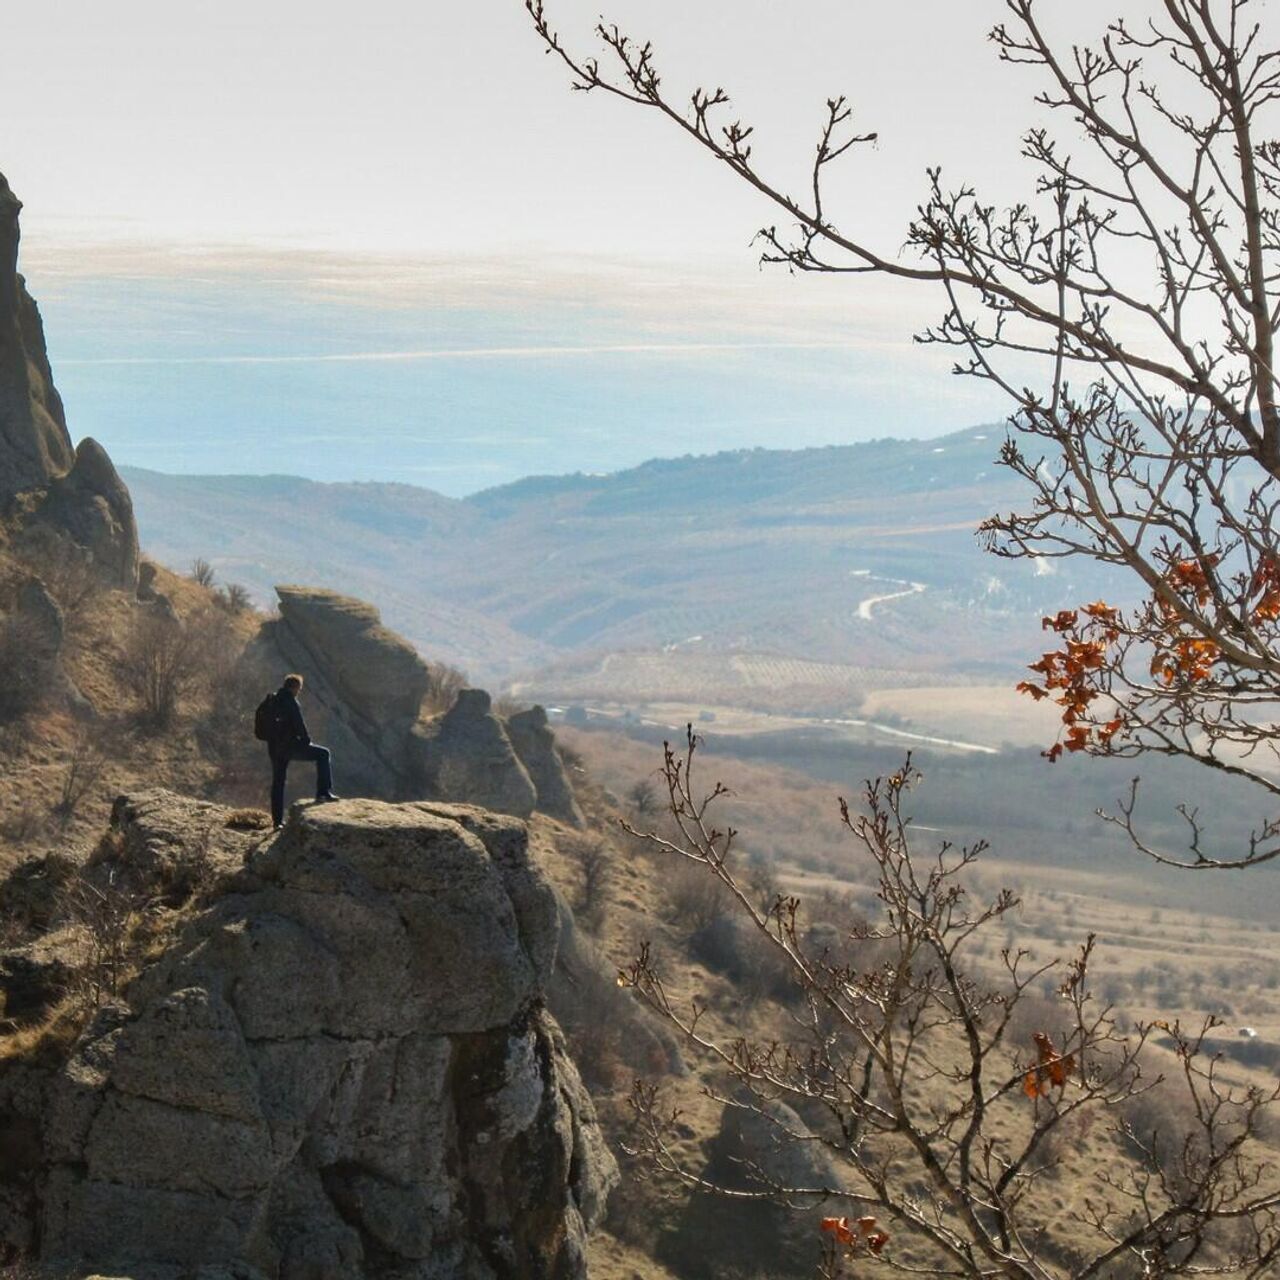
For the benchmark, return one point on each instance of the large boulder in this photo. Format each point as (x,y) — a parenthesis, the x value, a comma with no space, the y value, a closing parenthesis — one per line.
(535,744)
(377,673)
(91,506)
(340,1068)
(364,699)
(35,446)
(763,1144)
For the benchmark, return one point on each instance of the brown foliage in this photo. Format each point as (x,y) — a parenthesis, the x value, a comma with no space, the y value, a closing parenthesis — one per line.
(165,658)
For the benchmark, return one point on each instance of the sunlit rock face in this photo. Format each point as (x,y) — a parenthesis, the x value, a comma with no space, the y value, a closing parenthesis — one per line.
(467,754)
(368,685)
(535,744)
(52,488)
(342,1066)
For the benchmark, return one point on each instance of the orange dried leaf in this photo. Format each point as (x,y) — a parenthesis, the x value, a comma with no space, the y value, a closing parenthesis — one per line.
(839,1227)
(1101,611)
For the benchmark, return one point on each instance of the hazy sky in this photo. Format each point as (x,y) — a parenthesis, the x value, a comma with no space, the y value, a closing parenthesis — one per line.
(198,177)
(438,125)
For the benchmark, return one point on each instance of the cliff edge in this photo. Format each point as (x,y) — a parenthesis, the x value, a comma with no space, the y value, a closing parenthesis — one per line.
(339,1065)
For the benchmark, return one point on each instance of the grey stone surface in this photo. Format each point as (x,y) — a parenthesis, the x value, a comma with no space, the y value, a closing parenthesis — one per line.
(535,744)
(91,504)
(363,699)
(34,443)
(765,1143)
(41,617)
(340,1067)
(466,755)
(376,672)
(75,493)
(169,844)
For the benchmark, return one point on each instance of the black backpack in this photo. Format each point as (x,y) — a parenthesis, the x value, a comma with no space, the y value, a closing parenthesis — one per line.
(266,720)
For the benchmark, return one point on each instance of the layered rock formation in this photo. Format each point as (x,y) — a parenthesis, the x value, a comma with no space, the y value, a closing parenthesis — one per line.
(35,446)
(91,506)
(535,744)
(340,1067)
(377,674)
(370,684)
(52,489)
(466,753)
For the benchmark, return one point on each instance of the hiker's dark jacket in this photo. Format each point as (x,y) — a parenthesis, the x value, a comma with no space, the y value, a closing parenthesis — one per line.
(291,728)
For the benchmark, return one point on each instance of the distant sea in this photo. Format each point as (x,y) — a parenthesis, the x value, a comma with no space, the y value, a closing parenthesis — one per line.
(458,378)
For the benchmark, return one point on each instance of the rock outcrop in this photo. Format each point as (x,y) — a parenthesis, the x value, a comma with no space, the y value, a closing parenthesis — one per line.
(73,493)
(764,1143)
(535,744)
(341,1067)
(35,446)
(91,506)
(377,674)
(32,635)
(370,690)
(466,753)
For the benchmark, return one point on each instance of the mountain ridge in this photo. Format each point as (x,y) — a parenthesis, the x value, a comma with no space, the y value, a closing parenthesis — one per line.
(845,553)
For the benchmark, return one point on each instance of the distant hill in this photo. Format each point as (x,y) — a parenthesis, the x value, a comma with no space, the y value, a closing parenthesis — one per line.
(862,555)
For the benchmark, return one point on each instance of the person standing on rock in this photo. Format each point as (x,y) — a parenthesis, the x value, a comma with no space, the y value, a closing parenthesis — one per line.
(291,741)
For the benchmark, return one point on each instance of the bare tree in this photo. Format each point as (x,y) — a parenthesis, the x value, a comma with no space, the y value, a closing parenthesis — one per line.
(165,657)
(942,1119)
(445,683)
(68,572)
(642,797)
(202,572)
(234,598)
(85,762)
(109,912)
(1127,305)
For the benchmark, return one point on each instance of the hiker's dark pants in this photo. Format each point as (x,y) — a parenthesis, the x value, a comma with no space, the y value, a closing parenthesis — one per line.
(280,767)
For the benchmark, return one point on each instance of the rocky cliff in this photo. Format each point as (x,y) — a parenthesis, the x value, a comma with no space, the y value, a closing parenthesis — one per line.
(49,489)
(35,444)
(373,691)
(339,1066)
